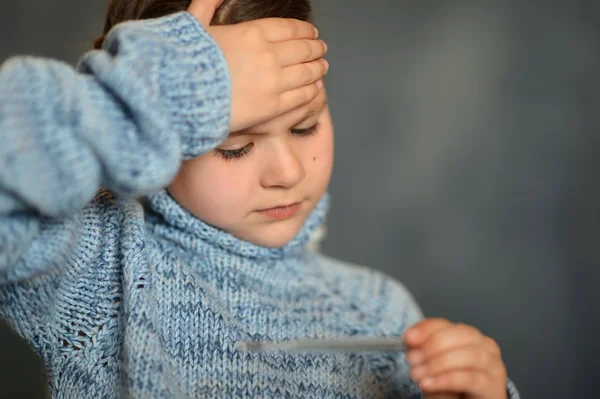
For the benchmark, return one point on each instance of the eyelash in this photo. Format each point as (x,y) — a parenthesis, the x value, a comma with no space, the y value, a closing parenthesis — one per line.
(229,155)
(305,132)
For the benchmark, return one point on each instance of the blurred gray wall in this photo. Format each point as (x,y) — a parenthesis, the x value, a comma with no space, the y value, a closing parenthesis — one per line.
(466,166)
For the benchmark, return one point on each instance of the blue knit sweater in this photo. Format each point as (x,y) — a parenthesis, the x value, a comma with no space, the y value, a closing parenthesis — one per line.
(128,300)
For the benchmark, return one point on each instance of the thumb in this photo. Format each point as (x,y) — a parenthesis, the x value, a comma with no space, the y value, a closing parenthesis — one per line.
(204,10)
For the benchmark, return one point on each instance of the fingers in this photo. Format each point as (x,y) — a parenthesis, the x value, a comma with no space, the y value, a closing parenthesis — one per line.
(304,74)
(475,383)
(468,357)
(204,10)
(256,70)
(443,396)
(298,51)
(420,332)
(282,29)
(448,357)
(443,340)
(298,97)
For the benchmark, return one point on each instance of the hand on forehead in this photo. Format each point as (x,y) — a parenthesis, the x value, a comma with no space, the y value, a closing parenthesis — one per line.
(312,111)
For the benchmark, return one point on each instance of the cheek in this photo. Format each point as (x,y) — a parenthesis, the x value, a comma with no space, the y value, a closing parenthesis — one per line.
(321,159)
(216,191)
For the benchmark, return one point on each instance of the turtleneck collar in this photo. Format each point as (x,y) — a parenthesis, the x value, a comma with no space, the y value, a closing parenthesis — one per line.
(169,219)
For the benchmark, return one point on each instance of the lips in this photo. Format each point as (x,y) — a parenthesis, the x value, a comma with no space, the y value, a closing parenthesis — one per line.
(281,212)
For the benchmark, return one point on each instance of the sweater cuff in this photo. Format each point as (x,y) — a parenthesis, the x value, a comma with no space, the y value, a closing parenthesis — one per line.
(195,83)
(511,390)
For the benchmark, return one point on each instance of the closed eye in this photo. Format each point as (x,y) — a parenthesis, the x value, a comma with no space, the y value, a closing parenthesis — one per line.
(229,155)
(305,132)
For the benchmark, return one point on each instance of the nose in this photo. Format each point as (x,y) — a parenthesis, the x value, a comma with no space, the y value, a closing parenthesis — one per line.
(283,168)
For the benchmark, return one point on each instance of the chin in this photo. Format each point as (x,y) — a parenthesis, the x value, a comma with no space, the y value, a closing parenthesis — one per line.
(276,236)
(275,241)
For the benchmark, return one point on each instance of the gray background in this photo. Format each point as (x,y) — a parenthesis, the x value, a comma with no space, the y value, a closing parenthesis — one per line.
(465,165)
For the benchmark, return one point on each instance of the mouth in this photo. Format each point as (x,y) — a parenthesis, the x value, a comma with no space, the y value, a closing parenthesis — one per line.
(282,211)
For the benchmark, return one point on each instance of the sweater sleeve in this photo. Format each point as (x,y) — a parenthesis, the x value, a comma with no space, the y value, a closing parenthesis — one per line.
(511,390)
(158,92)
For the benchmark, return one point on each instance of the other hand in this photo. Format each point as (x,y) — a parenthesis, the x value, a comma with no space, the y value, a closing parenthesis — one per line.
(456,360)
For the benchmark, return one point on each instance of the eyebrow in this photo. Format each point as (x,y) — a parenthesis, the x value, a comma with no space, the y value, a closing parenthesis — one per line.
(310,112)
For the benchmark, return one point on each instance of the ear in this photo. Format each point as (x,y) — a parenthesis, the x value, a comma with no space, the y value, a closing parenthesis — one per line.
(204,10)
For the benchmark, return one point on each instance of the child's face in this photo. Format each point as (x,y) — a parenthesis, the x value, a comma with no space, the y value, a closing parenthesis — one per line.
(279,164)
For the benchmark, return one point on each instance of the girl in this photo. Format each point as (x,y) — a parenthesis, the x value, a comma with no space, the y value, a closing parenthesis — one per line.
(220,128)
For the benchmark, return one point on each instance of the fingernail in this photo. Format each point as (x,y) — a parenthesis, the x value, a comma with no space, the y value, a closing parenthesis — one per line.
(316,33)
(320,84)
(427,383)
(415,357)
(326,47)
(418,372)
(326,65)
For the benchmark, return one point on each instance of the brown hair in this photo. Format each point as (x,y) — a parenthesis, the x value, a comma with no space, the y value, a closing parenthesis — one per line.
(229,12)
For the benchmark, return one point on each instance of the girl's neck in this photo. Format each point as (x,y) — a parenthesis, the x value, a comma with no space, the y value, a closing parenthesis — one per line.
(167,218)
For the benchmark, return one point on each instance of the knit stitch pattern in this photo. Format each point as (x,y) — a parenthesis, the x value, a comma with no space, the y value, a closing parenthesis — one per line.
(129,300)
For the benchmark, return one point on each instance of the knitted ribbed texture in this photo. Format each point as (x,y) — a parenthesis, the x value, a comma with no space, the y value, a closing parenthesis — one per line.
(211,290)
(126,302)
